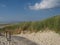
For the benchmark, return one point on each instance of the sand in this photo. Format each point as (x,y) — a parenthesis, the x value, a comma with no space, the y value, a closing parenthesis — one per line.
(39,38)
(43,38)
(16,40)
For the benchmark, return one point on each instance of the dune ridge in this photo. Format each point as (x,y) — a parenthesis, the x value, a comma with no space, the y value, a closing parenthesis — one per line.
(43,38)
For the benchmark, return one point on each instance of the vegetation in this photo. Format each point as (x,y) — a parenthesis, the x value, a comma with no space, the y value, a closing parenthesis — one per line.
(52,23)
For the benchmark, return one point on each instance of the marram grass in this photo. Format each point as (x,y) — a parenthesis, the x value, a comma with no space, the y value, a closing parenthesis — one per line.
(52,23)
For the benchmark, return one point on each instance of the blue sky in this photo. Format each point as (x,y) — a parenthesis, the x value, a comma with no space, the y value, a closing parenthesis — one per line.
(28,10)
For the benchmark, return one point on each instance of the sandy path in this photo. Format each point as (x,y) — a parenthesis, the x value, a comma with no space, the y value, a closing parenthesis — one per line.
(16,40)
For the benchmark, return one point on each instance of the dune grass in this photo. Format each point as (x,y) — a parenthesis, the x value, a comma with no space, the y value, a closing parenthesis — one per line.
(52,23)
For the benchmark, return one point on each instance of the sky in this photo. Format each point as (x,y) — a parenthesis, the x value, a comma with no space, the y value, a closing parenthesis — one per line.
(28,10)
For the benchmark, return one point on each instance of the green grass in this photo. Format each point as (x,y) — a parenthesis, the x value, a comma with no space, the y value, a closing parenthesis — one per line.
(52,23)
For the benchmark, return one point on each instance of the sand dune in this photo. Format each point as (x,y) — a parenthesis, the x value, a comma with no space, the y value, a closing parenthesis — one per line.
(43,38)
(39,38)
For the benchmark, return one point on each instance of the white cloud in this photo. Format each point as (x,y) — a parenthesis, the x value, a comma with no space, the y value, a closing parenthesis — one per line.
(45,4)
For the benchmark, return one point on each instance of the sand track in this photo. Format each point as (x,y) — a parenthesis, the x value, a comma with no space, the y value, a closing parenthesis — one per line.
(16,40)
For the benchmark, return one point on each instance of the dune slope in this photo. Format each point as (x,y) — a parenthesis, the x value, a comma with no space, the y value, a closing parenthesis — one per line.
(43,38)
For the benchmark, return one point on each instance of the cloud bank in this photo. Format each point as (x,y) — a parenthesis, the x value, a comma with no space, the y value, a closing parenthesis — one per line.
(45,4)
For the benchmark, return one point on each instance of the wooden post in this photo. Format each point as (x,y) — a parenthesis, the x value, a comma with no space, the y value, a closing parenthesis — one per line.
(8,36)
